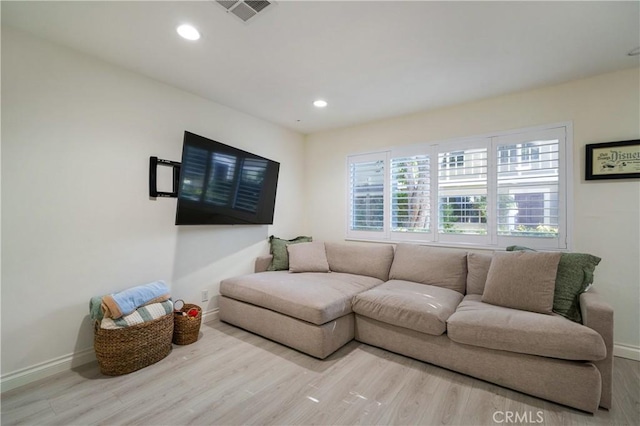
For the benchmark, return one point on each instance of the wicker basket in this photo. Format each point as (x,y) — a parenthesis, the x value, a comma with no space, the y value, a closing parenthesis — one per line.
(185,328)
(124,350)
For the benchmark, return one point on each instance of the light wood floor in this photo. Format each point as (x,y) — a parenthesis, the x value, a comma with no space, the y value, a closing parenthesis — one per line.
(234,377)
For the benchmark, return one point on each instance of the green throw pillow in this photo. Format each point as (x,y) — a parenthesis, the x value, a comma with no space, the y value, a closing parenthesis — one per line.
(575,274)
(280,261)
(519,248)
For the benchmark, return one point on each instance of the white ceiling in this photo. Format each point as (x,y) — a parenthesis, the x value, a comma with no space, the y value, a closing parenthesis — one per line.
(369,60)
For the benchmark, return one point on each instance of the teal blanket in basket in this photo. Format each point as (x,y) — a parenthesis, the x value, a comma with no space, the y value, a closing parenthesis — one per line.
(95,311)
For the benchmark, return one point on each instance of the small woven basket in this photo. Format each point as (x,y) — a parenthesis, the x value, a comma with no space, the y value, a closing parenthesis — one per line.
(186,328)
(128,349)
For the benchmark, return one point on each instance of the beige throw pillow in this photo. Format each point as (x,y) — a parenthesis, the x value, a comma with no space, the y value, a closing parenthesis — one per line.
(522,280)
(308,257)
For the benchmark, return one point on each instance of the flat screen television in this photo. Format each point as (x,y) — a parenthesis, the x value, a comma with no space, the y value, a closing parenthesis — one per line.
(223,185)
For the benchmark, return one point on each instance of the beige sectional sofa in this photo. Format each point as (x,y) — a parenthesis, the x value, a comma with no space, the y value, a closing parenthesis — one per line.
(426,303)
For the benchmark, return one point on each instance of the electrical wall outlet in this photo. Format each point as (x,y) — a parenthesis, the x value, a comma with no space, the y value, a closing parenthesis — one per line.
(205,295)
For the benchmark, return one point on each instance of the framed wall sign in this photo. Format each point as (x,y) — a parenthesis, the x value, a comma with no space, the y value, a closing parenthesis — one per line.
(613,160)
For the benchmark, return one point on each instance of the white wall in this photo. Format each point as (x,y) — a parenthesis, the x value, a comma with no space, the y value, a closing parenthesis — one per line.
(606,215)
(77,220)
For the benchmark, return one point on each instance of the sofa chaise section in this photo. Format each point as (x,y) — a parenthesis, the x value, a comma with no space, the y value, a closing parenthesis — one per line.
(308,311)
(316,298)
(319,341)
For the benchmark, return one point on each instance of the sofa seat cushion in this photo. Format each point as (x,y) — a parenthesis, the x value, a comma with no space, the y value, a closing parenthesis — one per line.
(420,307)
(495,327)
(314,297)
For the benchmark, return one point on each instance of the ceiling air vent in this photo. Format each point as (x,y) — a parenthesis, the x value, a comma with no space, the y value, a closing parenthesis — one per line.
(245,9)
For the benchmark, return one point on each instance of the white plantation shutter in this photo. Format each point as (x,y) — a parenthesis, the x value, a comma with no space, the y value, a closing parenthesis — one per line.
(410,194)
(366,194)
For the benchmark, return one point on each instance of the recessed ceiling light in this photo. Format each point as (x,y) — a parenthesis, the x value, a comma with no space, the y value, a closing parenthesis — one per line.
(188,32)
(320,103)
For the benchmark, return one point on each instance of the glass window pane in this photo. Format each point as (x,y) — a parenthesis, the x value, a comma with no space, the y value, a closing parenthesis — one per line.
(462,192)
(528,187)
(410,194)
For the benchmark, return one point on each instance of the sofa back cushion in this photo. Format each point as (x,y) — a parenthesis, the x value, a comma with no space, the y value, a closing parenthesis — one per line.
(370,260)
(477,269)
(435,266)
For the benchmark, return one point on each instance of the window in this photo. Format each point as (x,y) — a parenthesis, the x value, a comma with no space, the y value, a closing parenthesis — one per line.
(462,193)
(452,160)
(507,154)
(495,190)
(529,188)
(462,210)
(530,152)
(518,157)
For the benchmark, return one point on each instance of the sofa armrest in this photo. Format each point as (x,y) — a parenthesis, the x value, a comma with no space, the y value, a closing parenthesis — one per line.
(262,263)
(598,315)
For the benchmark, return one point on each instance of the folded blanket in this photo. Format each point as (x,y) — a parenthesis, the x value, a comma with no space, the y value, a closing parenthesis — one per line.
(140,315)
(127,301)
(95,309)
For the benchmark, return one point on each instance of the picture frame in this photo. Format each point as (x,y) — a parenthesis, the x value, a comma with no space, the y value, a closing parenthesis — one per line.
(613,160)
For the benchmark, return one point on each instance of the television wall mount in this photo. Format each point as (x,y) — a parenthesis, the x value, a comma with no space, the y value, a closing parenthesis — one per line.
(154,162)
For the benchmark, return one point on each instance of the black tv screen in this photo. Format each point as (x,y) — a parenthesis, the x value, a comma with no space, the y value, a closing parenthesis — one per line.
(223,185)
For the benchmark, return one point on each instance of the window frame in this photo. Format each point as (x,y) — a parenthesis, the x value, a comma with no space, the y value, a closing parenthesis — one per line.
(491,240)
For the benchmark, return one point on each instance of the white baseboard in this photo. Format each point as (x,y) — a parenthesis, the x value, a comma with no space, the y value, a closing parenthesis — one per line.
(210,315)
(626,351)
(64,363)
(45,369)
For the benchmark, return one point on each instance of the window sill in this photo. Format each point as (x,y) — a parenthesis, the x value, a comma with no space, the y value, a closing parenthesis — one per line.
(469,246)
